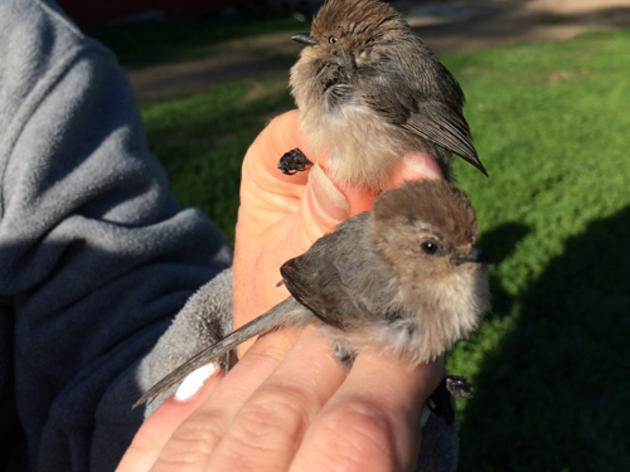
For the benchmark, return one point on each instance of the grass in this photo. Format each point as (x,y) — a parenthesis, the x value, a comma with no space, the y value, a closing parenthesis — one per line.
(151,42)
(552,361)
(202,139)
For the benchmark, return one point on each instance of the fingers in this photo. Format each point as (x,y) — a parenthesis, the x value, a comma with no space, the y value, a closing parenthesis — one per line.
(191,445)
(254,417)
(372,423)
(413,166)
(268,429)
(267,195)
(157,429)
(279,217)
(265,242)
(294,410)
(264,188)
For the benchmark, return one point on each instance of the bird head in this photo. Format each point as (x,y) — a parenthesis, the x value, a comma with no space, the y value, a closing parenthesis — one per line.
(352,26)
(426,230)
(345,35)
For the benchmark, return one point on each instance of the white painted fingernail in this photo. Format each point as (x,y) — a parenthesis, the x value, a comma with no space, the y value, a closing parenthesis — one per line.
(194,381)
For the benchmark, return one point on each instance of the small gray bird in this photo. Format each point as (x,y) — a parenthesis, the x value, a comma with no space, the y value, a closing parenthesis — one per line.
(405,279)
(369,90)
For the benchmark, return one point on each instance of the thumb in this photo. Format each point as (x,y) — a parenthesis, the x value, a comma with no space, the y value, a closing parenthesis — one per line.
(323,206)
(413,166)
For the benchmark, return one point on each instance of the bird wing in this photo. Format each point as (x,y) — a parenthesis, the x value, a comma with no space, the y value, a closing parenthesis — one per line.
(439,123)
(327,278)
(322,287)
(430,107)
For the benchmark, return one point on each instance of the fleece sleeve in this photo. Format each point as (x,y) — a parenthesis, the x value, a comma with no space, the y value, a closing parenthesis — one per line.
(96,257)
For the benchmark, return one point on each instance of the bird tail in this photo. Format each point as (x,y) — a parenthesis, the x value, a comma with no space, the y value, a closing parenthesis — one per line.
(288,311)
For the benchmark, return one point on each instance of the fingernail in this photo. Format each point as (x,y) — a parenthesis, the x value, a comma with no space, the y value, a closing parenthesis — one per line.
(194,381)
(328,197)
(424,164)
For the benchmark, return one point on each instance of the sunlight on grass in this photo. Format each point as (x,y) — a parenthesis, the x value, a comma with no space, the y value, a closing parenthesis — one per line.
(551,362)
(551,122)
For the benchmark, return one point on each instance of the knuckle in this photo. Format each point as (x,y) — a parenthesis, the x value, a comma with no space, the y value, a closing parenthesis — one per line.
(168,463)
(363,438)
(262,356)
(144,445)
(193,441)
(273,419)
(272,347)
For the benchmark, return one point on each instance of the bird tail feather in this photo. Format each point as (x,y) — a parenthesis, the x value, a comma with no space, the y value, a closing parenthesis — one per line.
(287,311)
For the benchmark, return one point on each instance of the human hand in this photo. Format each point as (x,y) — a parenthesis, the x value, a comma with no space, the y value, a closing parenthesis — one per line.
(281,216)
(288,404)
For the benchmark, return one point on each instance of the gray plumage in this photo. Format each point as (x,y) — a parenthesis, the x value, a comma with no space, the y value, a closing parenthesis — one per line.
(369,90)
(405,279)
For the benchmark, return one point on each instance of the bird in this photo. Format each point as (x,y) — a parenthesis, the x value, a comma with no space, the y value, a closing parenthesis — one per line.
(405,279)
(369,90)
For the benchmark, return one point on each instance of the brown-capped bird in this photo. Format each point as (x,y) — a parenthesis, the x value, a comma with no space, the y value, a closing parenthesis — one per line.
(369,90)
(405,279)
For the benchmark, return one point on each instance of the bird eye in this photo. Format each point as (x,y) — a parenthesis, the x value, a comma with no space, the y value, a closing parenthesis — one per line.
(332,39)
(429,247)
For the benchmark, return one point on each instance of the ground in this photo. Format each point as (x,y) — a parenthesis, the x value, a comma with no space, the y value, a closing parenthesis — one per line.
(446,26)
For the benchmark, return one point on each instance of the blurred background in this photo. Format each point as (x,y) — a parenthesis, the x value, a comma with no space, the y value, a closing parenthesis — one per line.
(548,90)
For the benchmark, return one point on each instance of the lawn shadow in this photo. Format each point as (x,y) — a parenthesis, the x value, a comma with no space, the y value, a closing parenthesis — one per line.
(555,394)
(499,243)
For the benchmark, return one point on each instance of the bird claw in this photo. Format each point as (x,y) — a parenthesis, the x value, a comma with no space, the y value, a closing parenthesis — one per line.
(345,356)
(293,162)
(459,387)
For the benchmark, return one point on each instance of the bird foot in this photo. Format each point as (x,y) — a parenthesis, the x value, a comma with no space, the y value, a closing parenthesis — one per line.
(440,401)
(293,161)
(459,386)
(345,356)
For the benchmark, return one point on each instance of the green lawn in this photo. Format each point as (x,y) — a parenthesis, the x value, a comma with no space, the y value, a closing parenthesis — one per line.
(152,42)
(552,125)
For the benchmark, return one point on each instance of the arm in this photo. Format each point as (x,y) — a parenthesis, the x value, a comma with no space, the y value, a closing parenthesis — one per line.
(96,257)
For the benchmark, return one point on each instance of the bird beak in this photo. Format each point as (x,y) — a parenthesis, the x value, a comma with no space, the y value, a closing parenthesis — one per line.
(304,38)
(477,255)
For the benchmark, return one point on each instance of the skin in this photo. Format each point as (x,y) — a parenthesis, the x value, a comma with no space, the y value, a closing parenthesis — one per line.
(374,409)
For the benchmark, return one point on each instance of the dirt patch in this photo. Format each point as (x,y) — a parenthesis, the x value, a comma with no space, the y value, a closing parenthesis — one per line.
(556,77)
(501,22)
